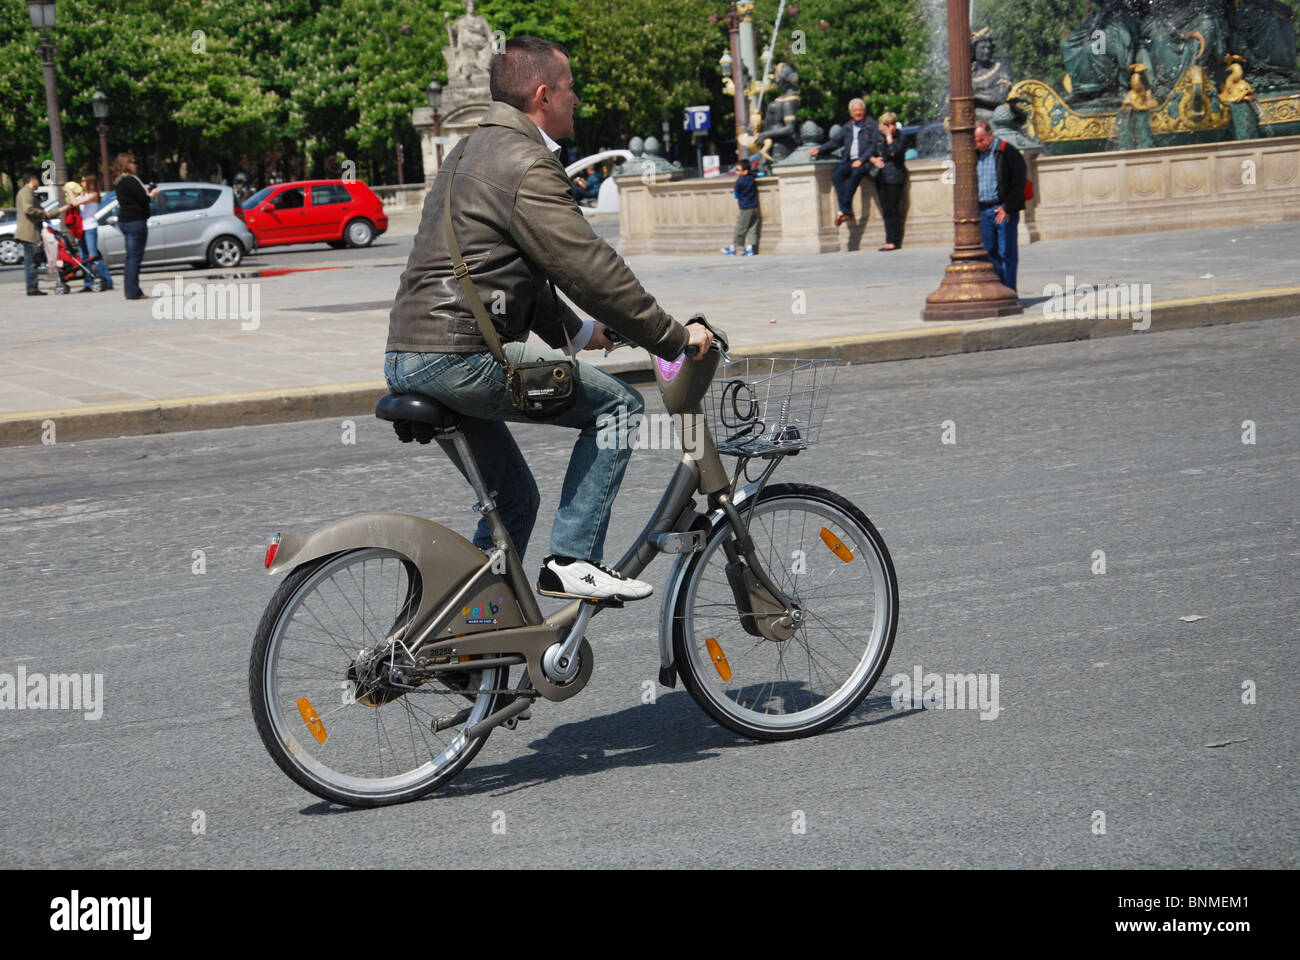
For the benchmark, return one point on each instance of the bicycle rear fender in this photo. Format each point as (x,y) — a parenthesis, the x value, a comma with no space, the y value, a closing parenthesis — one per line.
(445,559)
(676,576)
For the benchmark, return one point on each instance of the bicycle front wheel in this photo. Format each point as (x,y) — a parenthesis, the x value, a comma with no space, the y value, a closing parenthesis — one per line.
(828,557)
(342,710)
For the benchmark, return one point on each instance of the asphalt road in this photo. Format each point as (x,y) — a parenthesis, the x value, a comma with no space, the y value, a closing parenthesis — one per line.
(1109,701)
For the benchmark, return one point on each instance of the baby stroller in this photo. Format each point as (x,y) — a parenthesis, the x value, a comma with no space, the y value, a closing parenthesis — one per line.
(61,251)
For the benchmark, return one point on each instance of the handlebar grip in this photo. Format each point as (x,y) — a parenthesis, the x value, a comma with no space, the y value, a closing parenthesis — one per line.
(692,351)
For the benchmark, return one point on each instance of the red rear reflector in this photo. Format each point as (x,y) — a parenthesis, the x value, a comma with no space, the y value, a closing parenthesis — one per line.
(271,548)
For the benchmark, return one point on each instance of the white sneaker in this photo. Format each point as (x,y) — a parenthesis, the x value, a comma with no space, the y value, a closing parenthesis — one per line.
(585,580)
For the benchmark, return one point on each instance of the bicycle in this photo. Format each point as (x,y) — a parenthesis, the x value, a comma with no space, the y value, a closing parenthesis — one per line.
(391,628)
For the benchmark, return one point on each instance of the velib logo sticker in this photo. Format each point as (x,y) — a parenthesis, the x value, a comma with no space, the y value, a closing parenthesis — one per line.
(668,368)
(78,913)
(479,615)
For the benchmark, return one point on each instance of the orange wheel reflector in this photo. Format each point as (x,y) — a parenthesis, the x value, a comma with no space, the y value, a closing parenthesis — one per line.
(312,719)
(836,545)
(719,659)
(463,658)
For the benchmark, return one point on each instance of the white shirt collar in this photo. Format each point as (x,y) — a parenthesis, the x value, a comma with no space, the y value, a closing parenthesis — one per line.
(551,145)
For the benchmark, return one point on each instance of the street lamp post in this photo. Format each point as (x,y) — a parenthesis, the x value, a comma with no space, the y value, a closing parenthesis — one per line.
(970,288)
(434,90)
(734,18)
(99,103)
(732,62)
(42,14)
(745,40)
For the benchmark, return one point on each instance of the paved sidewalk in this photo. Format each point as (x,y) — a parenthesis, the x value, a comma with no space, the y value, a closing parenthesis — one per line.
(101,366)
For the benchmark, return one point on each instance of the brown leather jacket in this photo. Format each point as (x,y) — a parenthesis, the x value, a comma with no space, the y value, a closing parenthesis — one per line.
(518,226)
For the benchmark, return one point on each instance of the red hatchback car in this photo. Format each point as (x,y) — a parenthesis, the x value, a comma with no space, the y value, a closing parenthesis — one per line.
(342,213)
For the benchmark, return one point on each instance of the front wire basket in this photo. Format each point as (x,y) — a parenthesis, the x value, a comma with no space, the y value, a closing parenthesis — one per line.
(758,406)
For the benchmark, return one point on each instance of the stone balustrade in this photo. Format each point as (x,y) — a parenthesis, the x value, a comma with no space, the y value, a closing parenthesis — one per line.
(1098,194)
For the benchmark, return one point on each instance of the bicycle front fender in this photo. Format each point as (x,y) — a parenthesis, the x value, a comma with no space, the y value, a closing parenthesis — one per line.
(444,558)
(676,578)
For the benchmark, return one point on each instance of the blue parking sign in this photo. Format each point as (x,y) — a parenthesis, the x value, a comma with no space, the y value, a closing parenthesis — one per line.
(696,119)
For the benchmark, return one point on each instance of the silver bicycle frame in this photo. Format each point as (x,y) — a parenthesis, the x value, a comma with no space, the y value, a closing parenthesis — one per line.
(699,471)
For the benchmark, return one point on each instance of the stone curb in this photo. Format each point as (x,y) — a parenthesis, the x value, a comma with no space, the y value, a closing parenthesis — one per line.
(358,399)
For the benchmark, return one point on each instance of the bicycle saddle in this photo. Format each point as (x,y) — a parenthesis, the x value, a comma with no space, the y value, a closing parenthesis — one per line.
(415,416)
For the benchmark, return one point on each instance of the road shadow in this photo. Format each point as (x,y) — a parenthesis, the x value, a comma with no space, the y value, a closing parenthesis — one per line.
(673,730)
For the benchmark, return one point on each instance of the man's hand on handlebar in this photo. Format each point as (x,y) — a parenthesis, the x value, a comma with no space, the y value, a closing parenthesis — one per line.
(599,340)
(606,338)
(701,338)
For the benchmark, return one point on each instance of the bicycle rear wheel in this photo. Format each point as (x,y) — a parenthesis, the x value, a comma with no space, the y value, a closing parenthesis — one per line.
(827,556)
(327,691)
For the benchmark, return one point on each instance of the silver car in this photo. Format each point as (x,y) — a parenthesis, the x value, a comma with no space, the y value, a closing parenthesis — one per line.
(196,223)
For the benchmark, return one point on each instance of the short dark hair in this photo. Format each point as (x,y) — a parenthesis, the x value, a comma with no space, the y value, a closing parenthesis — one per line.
(744,162)
(30,174)
(525,63)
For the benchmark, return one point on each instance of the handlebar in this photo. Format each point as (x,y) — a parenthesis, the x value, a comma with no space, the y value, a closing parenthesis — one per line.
(616,338)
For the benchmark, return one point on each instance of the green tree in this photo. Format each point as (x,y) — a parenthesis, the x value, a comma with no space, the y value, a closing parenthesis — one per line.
(178,89)
(24,134)
(638,62)
(298,83)
(874,51)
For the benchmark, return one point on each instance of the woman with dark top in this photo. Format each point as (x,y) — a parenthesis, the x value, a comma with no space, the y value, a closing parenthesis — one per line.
(132,219)
(887,157)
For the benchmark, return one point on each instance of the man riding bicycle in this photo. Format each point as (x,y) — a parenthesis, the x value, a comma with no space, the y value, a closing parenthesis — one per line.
(522,234)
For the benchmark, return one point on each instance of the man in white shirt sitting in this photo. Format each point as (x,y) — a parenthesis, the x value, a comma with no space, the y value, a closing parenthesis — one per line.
(855,137)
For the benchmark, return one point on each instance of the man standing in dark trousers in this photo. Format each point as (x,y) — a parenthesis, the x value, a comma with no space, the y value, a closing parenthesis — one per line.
(855,137)
(30,216)
(1001,172)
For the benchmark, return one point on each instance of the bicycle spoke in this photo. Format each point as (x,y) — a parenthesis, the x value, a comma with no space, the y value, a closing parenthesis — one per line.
(827,663)
(341,618)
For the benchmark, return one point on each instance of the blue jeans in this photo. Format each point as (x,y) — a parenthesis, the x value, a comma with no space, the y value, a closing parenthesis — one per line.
(29,267)
(90,248)
(135,233)
(473,384)
(846,178)
(1000,241)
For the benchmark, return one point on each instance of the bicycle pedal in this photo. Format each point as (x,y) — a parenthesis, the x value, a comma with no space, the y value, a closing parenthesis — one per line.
(611,602)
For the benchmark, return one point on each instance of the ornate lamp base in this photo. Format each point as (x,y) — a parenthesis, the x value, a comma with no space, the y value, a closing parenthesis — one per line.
(970,290)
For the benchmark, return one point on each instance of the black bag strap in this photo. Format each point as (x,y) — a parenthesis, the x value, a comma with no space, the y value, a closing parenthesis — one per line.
(460,270)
